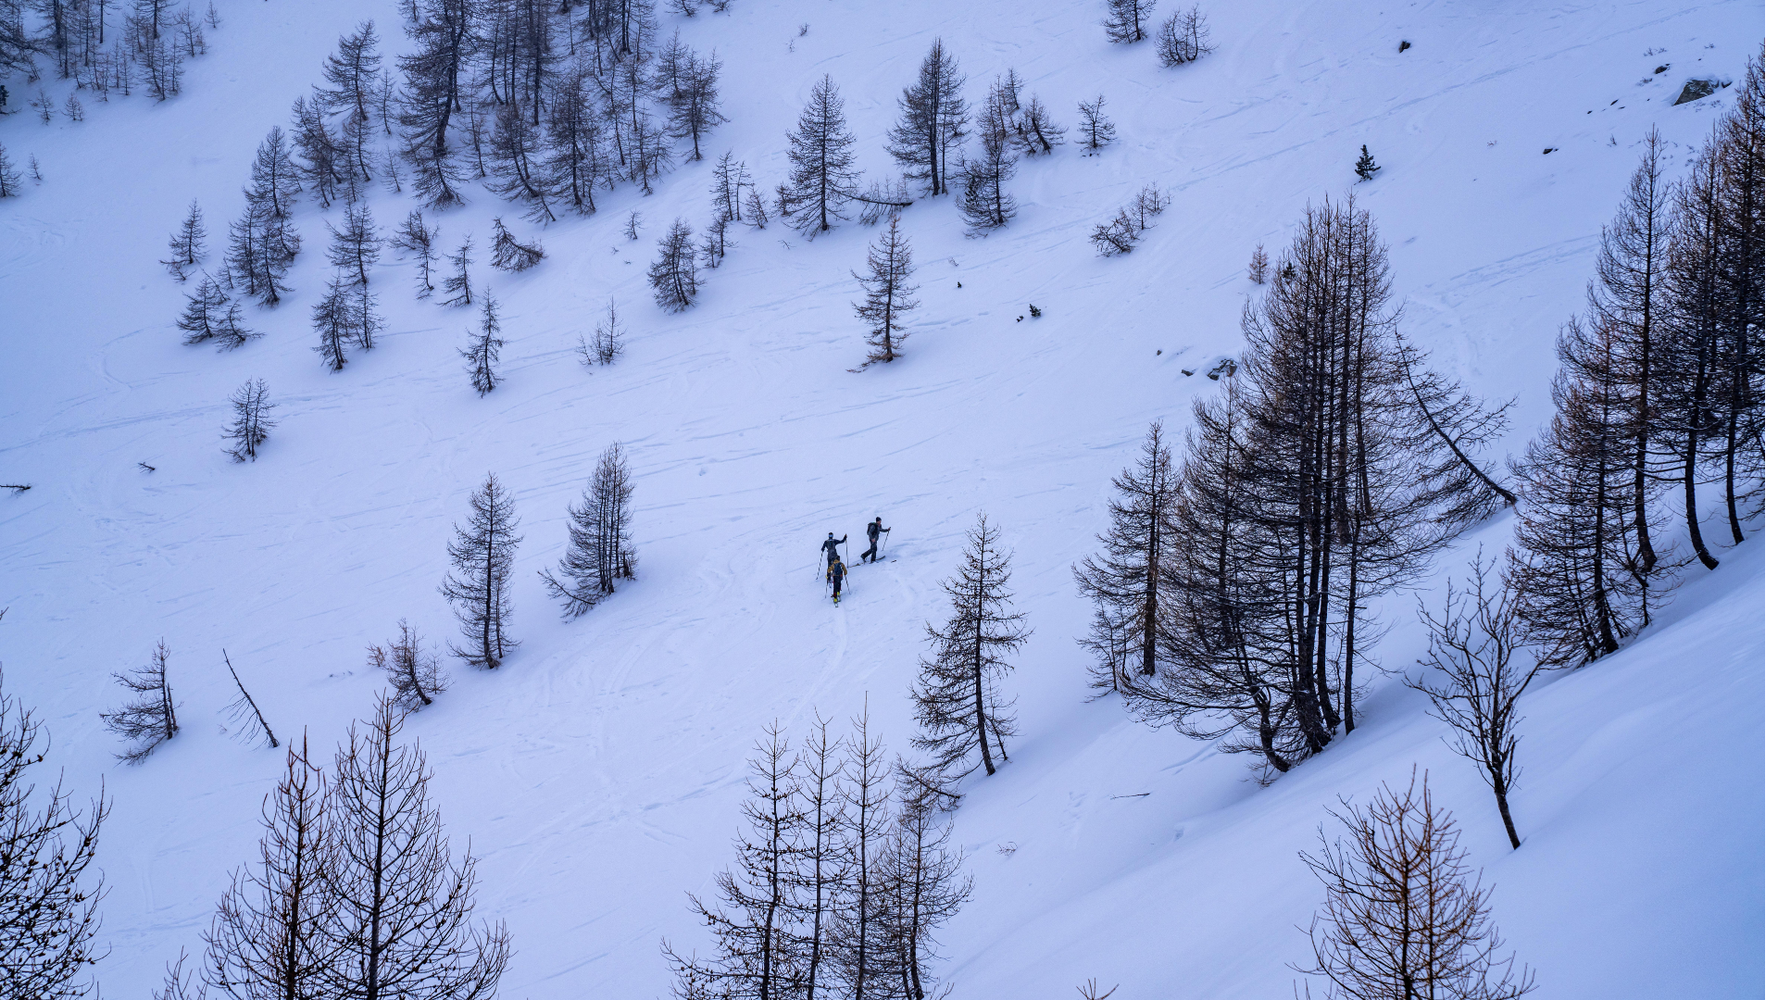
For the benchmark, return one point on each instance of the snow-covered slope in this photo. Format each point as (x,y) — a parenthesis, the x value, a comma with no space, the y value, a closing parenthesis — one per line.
(598,772)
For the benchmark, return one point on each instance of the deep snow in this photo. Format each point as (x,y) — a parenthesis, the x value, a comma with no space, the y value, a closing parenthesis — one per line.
(599,771)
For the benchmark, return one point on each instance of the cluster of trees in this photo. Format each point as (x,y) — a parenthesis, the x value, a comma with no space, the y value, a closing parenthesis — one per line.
(1662,382)
(843,874)
(843,871)
(1239,575)
(1231,591)
(148,45)
(546,104)
(929,141)
(600,553)
(1178,40)
(355,892)
(149,716)
(1122,233)
(211,313)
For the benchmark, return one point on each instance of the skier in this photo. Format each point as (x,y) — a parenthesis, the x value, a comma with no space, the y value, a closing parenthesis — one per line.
(836,573)
(831,548)
(871,531)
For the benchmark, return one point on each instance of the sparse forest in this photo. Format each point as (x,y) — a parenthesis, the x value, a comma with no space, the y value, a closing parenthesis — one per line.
(1261,419)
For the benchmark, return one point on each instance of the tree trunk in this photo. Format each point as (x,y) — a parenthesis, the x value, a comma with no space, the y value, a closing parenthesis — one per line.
(1506,815)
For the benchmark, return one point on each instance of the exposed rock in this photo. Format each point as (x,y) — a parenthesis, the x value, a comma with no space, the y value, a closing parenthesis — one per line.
(1696,89)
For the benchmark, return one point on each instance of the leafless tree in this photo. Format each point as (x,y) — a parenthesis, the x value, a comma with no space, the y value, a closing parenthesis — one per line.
(1574,566)
(244,711)
(456,282)
(186,247)
(754,916)
(356,247)
(1404,916)
(511,255)
(1743,395)
(1124,20)
(933,122)
(600,551)
(270,938)
(674,273)
(1256,265)
(402,905)
(1091,990)
(1181,38)
(1455,427)
(822,177)
(922,884)
(957,698)
(818,866)
(49,904)
(887,294)
(252,423)
(478,586)
(985,202)
(1118,236)
(482,355)
(1096,127)
(414,238)
(147,719)
(181,983)
(1631,270)
(860,953)
(1476,673)
(412,671)
(607,340)
(1125,583)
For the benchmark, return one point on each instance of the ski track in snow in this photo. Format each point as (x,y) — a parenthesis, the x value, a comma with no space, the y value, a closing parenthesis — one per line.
(598,773)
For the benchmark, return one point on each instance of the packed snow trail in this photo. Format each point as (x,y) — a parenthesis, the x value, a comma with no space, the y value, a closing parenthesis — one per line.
(598,771)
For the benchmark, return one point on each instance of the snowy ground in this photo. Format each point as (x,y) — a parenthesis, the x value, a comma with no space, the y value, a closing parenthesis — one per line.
(599,771)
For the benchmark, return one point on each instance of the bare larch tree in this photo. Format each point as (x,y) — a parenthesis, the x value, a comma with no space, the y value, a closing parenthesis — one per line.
(1124,19)
(147,719)
(482,355)
(600,551)
(481,574)
(402,906)
(822,178)
(252,408)
(412,671)
(49,904)
(269,938)
(754,916)
(1124,583)
(957,698)
(1476,672)
(674,273)
(887,293)
(1404,916)
(933,122)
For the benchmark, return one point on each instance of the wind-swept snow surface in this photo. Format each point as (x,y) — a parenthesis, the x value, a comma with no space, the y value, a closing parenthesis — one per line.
(598,771)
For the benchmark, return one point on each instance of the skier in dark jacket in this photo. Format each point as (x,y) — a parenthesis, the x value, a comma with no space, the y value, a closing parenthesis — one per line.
(871,531)
(836,574)
(831,548)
